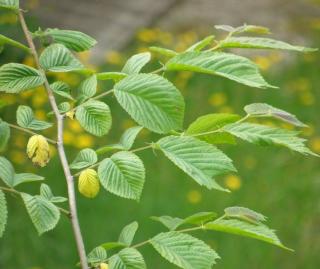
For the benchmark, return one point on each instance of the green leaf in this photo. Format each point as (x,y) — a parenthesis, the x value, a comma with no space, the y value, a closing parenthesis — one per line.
(163,51)
(230,66)
(244,29)
(152,101)
(25,178)
(6,172)
(136,63)
(265,110)
(87,89)
(244,228)
(74,40)
(245,214)
(6,40)
(15,78)
(128,258)
(25,119)
(265,136)
(61,88)
(57,58)
(44,214)
(123,174)
(4,134)
(97,256)
(115,76)
(201,44)
(85,158)
(46,193)
(260,43)
(95,117)
(200,160)
(64,107)
(10,4)
(184,250)
(3,213)
(112,245)
(210,123)
(128,232)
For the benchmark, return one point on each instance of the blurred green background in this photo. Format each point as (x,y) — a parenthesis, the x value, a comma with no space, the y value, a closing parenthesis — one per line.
(282,185)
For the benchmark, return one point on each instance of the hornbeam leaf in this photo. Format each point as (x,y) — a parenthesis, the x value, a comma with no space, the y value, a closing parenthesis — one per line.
(95,117)
(265,110)
(200,160)
(3,212)
(152,101)
(245,214)
(264,135)
(184,250)
(260,43)
(201,44)
(25,178)
(233,67)
(244,29)
(128,232)
(61,88)
(6,172)
(15,78)
(128,258)
(74,40)
(163,51)
(136,63)
(115,76)
(210,123)
(6,40)
(4,134)
(57,58)
(25,119)
(10,4)
(123,174)
(87,88)
(85,158)
(97,255)
(44,214)
(244,228)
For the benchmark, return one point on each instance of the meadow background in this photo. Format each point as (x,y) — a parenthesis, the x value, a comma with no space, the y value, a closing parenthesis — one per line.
(282,185)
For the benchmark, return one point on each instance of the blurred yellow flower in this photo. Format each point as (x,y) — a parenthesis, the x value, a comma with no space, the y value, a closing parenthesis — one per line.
(75,126)
(114,57)
(40,114)
(165,38)
(17,157)
(68,137)
(232,182)
(147,35)
(83,141)
(315,144)
(194,197)
(29,60)
(217,99)
(263,62)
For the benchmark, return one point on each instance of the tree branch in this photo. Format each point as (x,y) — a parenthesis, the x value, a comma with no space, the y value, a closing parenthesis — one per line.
(61,151)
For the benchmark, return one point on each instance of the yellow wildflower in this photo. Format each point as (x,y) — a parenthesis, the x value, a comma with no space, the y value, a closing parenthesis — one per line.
(89,185)
(114,57)
(217,99)
(83,141)
(233,182)
(315,144)
(194,197)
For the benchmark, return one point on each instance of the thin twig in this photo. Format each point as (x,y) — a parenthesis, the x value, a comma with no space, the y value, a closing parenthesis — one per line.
(61,151)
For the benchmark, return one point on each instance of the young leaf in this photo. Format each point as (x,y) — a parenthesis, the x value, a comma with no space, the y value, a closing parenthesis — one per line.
(6,40)
(46,193)
(128,258)
(245,214)
(244,228)
(87,88)
(152,101)
(230,66)
(265,110)
(127,234)
(213,122)
(44,214)
(201,44)
(4,134)
(85,158)
(64,107)
(61,88)
(264,135)
(57,58)
(244,29)
(123,174)
(112,245)
(170,222)
(25,119)
(74,40)
(97,255)
(10,4)
(95,117)
(198,159)
(15,78)
(3,212)
(136,63)
(184,250)
(260,43)
(38,150)
(115,76)
(25,178)
(88,183)
(163,51)
(6,172)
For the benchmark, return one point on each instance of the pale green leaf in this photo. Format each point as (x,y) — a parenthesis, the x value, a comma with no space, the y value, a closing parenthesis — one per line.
(260,43)
(15,78)
(97,256)
(61,88)
(74,40)
(45,192)
(264,135)
(6,172)
(163,51)
(123,174)
(210,123)
(3,213)
(87,88)
(25,178)
(4,134)
(10,4)
(245,214)
(115,76)
(85,158)
(255,29)
(25,119)
(244,228)
(64,107)
(200,160)
(201,44)
(57,58)
(136,63)
(184,250)
(128,258)
(112,245)
(128,232)
(152,101)
(95,117)
(44,214)
(230,66)
(265,110)
(6,40)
